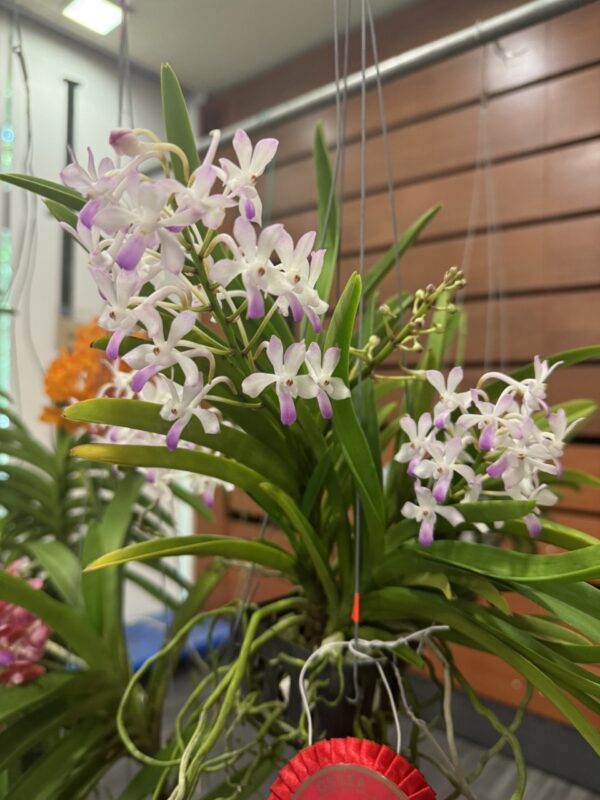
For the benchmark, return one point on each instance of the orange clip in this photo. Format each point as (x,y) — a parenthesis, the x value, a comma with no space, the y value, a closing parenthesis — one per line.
(355,616)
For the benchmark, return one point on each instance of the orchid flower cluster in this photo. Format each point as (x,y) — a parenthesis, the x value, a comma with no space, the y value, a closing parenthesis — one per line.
(160,390)
(472,447)
(23,637)
(164,265)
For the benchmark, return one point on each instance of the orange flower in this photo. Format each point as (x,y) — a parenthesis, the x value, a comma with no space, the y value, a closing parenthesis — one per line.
(76,374)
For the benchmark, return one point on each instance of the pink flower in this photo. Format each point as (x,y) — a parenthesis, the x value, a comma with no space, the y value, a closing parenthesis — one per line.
(23,638)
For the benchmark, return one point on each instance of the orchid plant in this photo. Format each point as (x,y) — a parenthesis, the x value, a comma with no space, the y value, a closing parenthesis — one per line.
(243,371)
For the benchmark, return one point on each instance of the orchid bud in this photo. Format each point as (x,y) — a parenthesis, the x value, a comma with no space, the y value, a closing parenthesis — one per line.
(125,142)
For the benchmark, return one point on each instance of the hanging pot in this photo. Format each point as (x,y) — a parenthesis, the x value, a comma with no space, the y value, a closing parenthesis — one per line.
(336,708)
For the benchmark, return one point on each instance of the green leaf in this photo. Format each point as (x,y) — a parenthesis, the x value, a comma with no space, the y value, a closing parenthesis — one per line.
(64,621)
(310,541)
(548,629)
(144,416)
(62,567)
(491,511)
(483,588)
(103,594)
(509,565)
(576,604)
(15,700)
(380,269)
(576,478)
(347,426)
(61,212)
(231,547)
(177,122)
(363,395)
(431,580)
(44,779)
(53,191)
(470,621)
(329,234)
(553,533)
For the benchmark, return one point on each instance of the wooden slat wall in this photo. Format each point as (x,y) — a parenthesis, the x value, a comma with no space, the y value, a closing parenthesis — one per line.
(537,241)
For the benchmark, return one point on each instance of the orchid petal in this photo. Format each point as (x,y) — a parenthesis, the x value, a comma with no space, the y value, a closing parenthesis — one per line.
(307,388)
(293,358)
(286,407)
(264,152)
(426,532)
(130,254)
(325,406)
(174,433)
(254,384)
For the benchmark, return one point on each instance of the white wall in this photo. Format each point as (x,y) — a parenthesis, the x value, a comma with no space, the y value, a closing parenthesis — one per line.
(50,60)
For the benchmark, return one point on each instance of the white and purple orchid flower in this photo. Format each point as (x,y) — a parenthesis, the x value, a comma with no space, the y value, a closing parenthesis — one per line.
(239,179)
(450,399)
(301,268)
(183,403)
(252,262)
(151,358)
(288,384)
(321,369)
(426,511)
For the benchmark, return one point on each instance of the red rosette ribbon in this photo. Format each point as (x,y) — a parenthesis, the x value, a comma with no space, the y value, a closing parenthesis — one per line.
(350,769)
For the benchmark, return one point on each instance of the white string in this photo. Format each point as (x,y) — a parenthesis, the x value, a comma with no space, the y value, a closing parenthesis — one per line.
(360,650)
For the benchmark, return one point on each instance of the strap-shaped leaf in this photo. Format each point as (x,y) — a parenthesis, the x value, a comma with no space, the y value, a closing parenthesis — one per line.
(329,233)
(65,622)
(62,567)
(230,547)
(468,620)
(576,604)
(143,416)
(177,121)
(491,511)
(49,189)
(60,212)
(350,435)
(33,694)
(380,269)
(509,565)
(281,506)
(103,595)
(553,533)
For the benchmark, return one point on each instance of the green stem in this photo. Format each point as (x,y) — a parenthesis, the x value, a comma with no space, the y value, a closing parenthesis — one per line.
(263,324)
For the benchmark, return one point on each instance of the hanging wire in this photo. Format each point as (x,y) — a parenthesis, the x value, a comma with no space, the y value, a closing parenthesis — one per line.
(125,110)
(496,339)
(24,249)
(389,174)
(361,305)
(341,106)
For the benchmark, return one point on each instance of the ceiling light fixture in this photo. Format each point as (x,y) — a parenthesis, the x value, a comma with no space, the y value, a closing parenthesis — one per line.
(100,16)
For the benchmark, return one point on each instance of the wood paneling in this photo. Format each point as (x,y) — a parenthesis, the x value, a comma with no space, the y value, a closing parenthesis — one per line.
(563,254)
(552,184)
(518,123)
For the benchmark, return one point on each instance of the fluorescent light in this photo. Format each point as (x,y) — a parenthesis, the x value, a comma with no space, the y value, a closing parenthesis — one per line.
(100,16)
